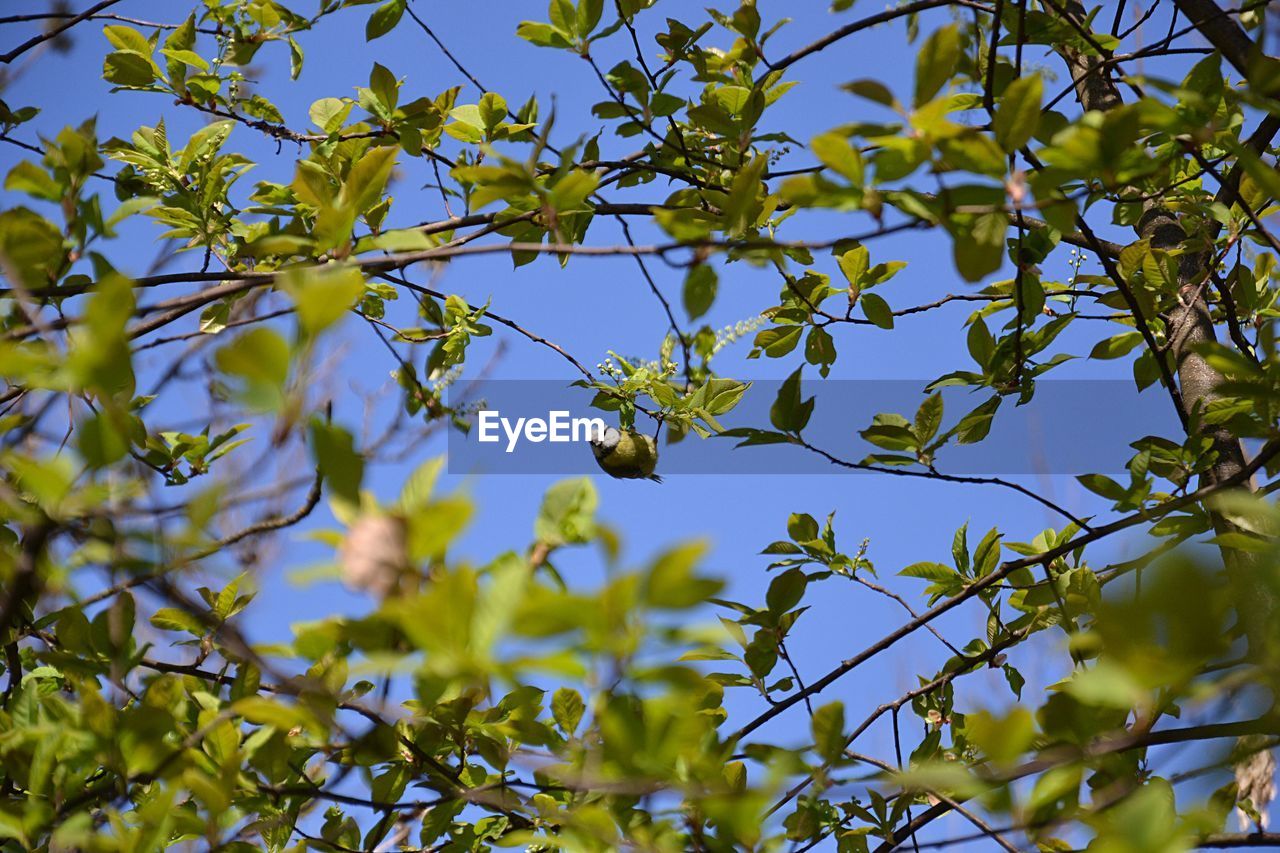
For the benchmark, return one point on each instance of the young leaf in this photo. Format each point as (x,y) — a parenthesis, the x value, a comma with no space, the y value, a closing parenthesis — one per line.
(1018,114)
(828,731)
(936,62)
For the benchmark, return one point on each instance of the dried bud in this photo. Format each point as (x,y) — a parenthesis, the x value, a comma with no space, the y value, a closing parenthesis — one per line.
(373,554)
(1255,780)
(1016,187)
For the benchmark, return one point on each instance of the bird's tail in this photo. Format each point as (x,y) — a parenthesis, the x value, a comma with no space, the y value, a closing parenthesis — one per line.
(655,478)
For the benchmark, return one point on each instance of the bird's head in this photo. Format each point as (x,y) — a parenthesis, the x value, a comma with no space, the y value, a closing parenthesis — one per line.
(604,441)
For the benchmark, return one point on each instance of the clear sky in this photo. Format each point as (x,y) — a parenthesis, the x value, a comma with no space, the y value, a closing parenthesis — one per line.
(598,304)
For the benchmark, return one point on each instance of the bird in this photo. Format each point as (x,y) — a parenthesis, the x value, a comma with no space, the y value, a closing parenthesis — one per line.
(626,454)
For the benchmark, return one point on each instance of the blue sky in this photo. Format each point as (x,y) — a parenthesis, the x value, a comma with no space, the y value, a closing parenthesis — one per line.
(599,304)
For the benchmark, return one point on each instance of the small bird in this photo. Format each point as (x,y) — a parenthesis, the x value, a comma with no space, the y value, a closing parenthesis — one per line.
(626,455)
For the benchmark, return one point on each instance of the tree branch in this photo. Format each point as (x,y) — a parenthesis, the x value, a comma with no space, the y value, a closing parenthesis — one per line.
(1268,452)
(55,32)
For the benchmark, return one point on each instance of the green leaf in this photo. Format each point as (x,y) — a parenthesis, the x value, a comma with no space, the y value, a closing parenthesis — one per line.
(742,206)
(567,708)
(431,532)
(779,340)
(960,548)
(341,466)
(872,90)
(322,295)
(187,57)
(733,98)
(987,555)
(854,264)
(563,16)
(568,513)
(272,712)
(416,493)
(1018,114)
(981,251)
(891,432)
(1100,484)
(384,19)
(99,442)
(385,89)
(173,619)
(828,731)
(126,68)
(974,426)
(928,418)
(936,62)
(364,184)
(1015,680)
(27,177)
(296,57)
(836,152)
(543,35)
(589,13)
(329,114)
(786,590)
(929,571)
(802,527)
(31,244)
(980,342)
(789,412)
(569,195)
(820,349)
(700,290)
(1117,346)
(128,208)
(260,357)
(723,394)
(876,310)
(100,357)
(127,38)
(493,110)
(1107,685)
(1002,739)
(671,583)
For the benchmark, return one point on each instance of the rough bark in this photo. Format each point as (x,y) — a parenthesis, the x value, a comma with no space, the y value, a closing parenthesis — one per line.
(1221,30)
(1190,324)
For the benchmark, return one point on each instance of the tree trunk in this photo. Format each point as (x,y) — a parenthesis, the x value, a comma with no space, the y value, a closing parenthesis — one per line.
(1190,323)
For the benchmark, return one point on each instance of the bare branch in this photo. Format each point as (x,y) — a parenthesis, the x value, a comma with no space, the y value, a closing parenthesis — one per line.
(1270,451)
(56,31)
